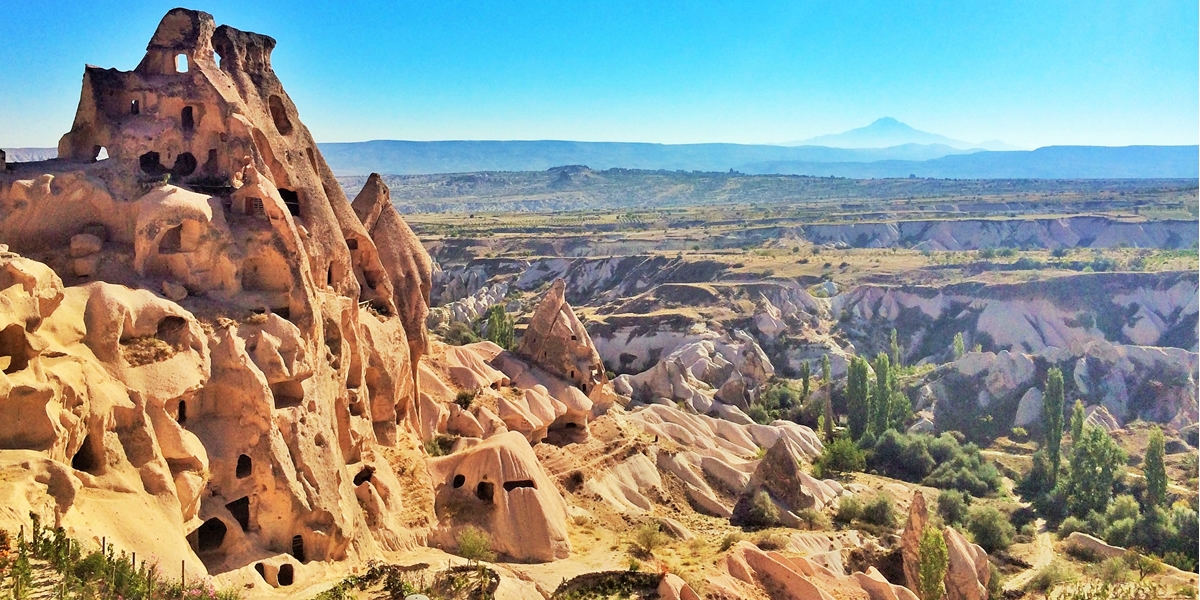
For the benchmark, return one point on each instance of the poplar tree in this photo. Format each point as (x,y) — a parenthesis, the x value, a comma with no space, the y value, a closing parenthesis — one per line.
(1155,470)
(857,396)
(1052,420)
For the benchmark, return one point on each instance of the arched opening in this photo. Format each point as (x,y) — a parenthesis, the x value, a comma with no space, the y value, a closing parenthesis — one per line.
(298,547)
(135,107)
(279,115)
(185,165)
(459,480)
(364,475)
(291,200)
(171,242)
(287,574)
(329,282)
(485,491)
(87,458)
(210,535)
(151,164)
(99,153)
(15,350)
(181,413)
(244,467)
(240,509)
(522,483)
(187,119)
(181,63)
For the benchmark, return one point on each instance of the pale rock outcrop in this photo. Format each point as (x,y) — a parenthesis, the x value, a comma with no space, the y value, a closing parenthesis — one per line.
(557,342)
(1029,408)
(499,484)
(781,474)
(1090,544)
(704,372)
(968,575)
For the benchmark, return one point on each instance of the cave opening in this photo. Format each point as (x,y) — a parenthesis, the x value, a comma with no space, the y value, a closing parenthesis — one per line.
(298,547)
(181,413)
(485,491)
(135,107)
(459,480)
(185,164)
(87,458)
(287,574)
(187,119)
(181,63)
(521,483)
(291,200)
(14,347)
(279,115)
(211,535)
(240,509)
(364,475)
(244,467)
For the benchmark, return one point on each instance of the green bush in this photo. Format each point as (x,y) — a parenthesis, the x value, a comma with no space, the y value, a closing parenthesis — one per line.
(881,511)
(840,457)
(474,544)
(902,456)
(762,511)
(952,505)
(990,529)
(460,334)
(648,538)
(850,509)
(1055,573)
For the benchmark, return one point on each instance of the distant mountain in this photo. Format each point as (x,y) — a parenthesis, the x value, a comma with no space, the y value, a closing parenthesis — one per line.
(411,158)
(1051,162)
(29,154)
(887,132)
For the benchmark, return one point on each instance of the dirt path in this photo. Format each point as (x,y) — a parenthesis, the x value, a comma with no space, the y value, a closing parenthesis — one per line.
(1043,554)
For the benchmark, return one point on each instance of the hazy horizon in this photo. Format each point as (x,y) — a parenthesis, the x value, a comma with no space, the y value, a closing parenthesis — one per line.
(1028,74)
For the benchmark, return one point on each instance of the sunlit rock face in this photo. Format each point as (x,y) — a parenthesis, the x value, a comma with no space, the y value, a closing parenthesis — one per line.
(200,327)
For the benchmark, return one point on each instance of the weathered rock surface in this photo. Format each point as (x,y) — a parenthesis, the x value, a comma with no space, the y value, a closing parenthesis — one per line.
(499,484)
(251,416)
(910,540)
(557,343)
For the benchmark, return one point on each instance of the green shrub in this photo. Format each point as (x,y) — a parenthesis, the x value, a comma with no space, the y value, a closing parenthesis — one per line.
(840,457)
(952,505)
(849,510)
(881,511)
(762,511)
(474,544)
(648,538)
(464,399)
(813,520)
(990,529)
(1019,434)
(1055,573)
(460,334)
(730,540)
(902,456)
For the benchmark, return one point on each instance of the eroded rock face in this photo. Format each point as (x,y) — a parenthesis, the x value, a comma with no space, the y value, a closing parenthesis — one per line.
(910,540)
(499,484)
(558,343)
(782,475)
(968,575)
(250,415)
(704,374)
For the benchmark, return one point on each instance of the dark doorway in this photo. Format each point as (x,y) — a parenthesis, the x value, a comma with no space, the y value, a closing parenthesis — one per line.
(485,491)
(211,535)
(187,119)
(244,467)
(298,548)
(240,509)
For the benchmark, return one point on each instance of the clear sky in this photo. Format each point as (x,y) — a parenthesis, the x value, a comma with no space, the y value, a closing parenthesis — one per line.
(1031,73)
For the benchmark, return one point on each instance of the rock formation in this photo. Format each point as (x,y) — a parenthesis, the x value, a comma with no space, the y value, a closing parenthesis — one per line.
(247,417)
(910,540)
(780,473)
(500,485)
(557,342)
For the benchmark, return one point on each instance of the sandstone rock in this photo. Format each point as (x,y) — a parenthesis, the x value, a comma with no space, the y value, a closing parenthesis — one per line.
(1098,416)
(174,291)
(1090,544)
(557,342)
(780,473)
(673,588)
(500,486)
(1029,409)
(85,244)
(968,574)
(910,540)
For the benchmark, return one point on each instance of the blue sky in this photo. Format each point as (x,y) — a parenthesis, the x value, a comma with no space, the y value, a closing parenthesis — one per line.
(1031,73)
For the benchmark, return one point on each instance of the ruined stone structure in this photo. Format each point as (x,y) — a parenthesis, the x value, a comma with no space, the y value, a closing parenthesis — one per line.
(252,408)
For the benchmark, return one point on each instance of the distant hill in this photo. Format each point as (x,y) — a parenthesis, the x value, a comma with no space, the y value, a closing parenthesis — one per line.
(411,158)
(887,132)
(1051,162)
(920,160)
(29,154)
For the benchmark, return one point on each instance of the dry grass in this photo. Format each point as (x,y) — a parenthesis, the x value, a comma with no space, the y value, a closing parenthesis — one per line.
(145,350)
